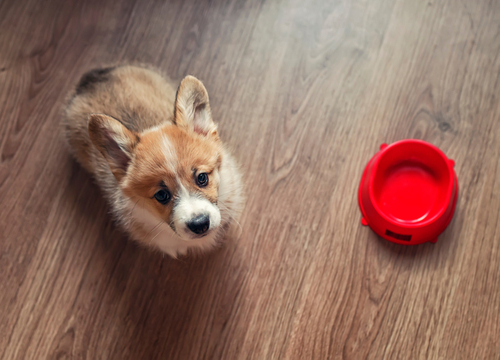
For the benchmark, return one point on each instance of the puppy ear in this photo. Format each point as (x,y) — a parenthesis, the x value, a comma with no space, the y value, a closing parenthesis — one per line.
(192,109)
(115,142)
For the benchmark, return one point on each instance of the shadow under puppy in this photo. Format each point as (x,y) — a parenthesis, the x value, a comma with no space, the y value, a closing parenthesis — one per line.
(156,155)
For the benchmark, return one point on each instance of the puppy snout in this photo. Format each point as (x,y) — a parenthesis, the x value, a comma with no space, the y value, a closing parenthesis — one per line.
(199,225)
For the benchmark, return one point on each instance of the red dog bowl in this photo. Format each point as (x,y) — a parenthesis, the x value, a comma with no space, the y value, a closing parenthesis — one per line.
(408,192)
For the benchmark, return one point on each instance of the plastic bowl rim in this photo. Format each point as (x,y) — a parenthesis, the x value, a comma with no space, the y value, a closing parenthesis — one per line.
(451,183)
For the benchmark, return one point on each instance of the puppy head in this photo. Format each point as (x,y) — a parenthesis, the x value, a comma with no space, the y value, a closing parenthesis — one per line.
(171,171)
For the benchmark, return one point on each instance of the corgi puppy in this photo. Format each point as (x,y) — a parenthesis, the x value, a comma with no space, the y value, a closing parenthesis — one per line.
(156,155)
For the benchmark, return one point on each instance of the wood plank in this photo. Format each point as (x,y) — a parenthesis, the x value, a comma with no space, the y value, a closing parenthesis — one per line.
(304,93)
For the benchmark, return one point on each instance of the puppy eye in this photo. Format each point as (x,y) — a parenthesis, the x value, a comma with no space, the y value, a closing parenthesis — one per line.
(162,196)
(202,179)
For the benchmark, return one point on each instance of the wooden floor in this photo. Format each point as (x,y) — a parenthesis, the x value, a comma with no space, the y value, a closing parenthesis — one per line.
(305,92)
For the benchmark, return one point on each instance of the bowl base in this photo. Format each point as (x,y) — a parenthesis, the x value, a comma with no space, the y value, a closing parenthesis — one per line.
(409,192)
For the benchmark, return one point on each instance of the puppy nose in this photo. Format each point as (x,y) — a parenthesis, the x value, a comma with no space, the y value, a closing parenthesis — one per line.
(199,225)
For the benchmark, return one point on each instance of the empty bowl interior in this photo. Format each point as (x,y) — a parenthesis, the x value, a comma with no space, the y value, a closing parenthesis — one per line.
(411,182)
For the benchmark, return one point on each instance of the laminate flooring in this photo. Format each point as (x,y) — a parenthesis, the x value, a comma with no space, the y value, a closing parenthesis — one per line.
(304,92)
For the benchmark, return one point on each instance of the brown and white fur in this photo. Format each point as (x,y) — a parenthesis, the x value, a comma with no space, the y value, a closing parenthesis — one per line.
(141,141)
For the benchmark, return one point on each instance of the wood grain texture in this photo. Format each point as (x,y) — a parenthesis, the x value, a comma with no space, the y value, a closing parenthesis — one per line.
(304,92)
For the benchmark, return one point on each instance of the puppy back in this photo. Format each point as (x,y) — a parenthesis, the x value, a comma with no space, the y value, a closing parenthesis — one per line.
(139,97)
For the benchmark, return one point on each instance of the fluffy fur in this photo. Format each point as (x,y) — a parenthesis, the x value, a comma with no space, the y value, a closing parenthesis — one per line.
(129,128)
